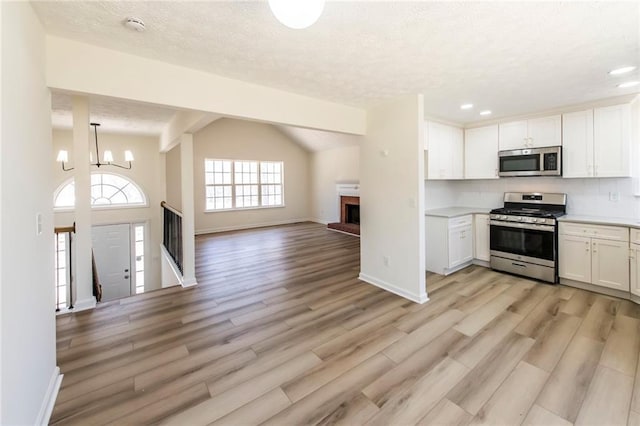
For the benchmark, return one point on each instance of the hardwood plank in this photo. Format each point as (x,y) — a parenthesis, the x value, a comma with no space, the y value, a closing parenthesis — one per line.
(567,386)
(409,344)
(599,320)
(324,401)
(552,341)
(541,317)
(484,315)
(539,416)
(623,346)
(446,413)
(224,403)
(353,412)
(608,399)
(476,388)
(512,400)
(256,411)
(409,405)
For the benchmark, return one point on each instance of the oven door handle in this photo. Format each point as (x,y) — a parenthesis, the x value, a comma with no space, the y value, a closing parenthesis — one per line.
(547,228)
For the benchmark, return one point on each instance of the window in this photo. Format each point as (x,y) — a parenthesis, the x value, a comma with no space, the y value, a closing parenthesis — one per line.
(62,272)
(240,184)
(139,256)
(107,190)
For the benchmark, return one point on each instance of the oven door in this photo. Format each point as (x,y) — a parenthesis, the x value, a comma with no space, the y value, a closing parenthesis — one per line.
(524,242)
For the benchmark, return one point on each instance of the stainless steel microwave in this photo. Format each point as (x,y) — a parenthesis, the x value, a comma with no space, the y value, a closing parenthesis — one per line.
(545,161)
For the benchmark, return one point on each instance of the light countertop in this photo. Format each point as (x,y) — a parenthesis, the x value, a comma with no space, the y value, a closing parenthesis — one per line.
(450,212)
(600,220)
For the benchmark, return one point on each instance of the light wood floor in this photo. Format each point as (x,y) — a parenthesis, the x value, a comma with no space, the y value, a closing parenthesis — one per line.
(280,331)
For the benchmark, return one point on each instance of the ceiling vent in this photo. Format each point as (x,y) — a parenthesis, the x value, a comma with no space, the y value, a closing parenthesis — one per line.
(135,24)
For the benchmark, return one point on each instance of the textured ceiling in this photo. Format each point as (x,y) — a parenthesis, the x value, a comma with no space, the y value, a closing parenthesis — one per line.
(510,57)
(114,115)
(318,140)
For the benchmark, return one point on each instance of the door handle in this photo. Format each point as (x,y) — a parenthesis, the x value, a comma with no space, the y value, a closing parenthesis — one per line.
(126,277)
(518,264)
(126,270)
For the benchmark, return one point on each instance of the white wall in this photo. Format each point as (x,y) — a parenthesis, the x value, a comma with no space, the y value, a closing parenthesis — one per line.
(173,178)
(392,198)
(246,140)
(28,370)
(328,168)
(147,172)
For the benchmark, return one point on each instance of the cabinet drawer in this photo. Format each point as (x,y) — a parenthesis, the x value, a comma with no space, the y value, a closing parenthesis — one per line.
(635,236)
(616,233)
(460,221)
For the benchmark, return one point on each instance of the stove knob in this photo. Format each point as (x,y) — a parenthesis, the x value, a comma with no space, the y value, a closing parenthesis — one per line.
(534,220)
(520,219)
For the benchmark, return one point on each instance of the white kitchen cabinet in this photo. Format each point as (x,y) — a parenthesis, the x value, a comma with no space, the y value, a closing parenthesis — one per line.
(481,153)
(533,133)
(594,254)
(577,144)
(445,151)
(597,142)
(481,235)
(634,259)
(449,243)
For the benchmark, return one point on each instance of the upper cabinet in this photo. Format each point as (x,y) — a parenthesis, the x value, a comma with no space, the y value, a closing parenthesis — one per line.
(444,151)
(481,153)
(597,142)
(534,133)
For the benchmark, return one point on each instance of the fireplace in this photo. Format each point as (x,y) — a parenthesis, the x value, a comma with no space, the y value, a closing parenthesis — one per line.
(349,214)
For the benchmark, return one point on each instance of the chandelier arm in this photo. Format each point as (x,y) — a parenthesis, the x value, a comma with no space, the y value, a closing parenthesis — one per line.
(65,169)
(118,165)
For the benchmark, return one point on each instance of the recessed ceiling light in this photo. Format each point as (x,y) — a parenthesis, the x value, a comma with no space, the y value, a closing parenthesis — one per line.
(622,70)
(466,106)
(486,112)
(628,84)
(135,24)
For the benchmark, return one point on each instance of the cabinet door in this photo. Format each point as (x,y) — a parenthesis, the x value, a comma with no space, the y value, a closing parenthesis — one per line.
(455,251)
(481,153)
(466,244)
(634,255)
(610,264)
(435,136)
(482,237)
(612,141)
(577,144)
(513,135)
(457,153)
(574,258)
(545,131)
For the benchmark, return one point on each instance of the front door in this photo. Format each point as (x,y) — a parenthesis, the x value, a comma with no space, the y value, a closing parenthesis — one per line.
(112,251)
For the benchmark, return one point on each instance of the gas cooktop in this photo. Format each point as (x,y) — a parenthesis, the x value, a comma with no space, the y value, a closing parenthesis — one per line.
(528,212)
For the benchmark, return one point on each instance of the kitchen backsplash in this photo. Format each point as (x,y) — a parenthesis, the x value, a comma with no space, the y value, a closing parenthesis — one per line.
(590,197)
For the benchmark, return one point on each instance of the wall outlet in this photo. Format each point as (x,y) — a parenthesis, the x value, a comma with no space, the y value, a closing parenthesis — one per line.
(614,196)
(386,261)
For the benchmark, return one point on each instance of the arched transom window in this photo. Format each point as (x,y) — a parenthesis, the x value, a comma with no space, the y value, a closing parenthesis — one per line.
(107,190)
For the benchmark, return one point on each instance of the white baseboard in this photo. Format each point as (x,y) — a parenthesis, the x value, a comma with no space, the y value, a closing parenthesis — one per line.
(250,226)
(394,289)
(83,305)
(320,221)
(191,282)
(49,400)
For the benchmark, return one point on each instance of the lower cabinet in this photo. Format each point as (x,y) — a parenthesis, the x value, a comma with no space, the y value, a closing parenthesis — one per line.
(449,243)
(603,262)
(634,255)
(481,234)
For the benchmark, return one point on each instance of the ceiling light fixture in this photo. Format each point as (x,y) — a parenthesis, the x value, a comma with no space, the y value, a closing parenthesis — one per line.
(297,14)
(486,112)
(628,84)
(135,24)
(63,156)
(622,70)
(466,106)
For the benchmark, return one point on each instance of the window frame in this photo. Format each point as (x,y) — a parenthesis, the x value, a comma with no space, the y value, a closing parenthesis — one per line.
(130,181)
(233,185)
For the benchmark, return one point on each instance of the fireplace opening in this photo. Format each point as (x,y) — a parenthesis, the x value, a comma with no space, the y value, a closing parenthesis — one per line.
(353,214)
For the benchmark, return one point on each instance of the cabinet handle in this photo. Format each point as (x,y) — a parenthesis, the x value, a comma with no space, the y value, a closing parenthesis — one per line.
(595,246)
(587,245)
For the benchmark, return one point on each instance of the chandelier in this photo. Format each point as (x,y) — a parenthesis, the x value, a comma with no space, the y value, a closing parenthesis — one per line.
(63,156)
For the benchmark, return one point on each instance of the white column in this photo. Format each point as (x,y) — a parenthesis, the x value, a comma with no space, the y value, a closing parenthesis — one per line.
(83,280)
(188,212)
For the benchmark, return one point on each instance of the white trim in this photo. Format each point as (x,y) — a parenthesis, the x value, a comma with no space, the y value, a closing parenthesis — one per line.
(343,232)
(394,289)
(83,305)
(250,226)
(320,221)
(50,396)
(188,283)
(348,189)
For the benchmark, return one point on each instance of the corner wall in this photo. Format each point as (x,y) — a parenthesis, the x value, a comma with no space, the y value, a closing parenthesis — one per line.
(328,168)
(392,248)
(29,376)
(246,140)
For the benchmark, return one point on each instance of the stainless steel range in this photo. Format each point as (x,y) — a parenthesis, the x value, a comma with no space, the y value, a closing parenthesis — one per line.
(524,234)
